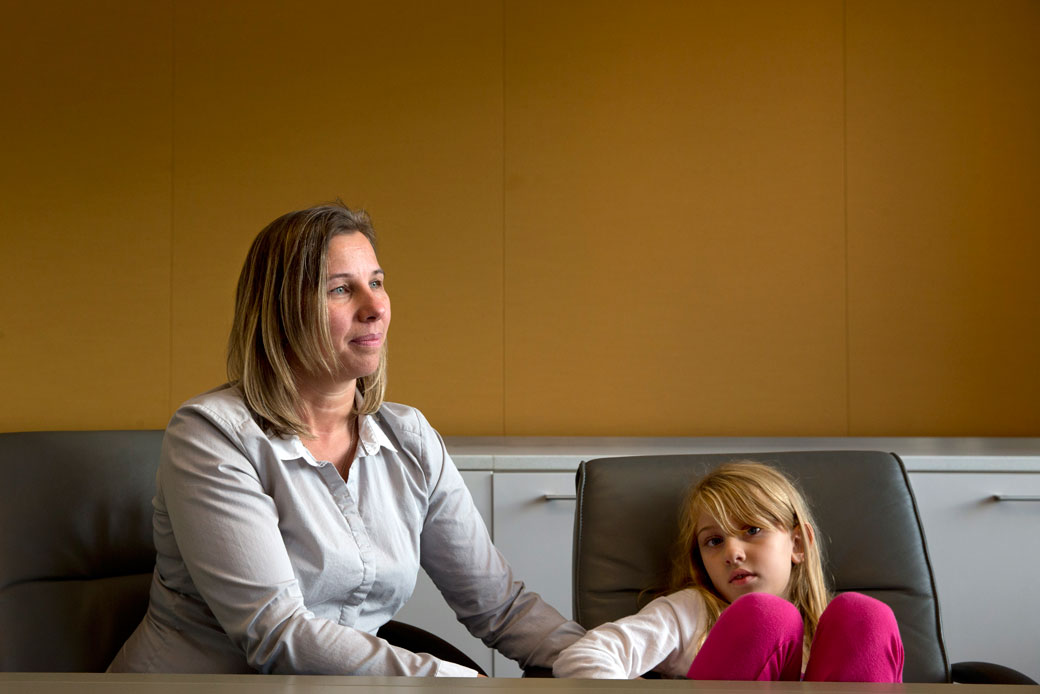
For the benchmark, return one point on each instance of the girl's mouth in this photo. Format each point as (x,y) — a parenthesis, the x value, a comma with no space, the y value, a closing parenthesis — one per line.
(740,578)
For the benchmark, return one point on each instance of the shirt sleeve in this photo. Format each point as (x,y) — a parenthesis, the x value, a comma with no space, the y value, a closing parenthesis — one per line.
(473,576)
(227,532)
(662,637)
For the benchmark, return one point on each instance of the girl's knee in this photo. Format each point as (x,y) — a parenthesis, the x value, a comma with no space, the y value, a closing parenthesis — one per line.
(857,640)
(758,637)
(766,610)
(860,611)
(761,599)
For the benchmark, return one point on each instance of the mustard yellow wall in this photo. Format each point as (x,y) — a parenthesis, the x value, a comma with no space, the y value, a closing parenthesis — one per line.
(598,217)
(943,151)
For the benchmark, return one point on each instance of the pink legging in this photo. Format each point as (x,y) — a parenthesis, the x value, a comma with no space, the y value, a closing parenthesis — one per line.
(759,637)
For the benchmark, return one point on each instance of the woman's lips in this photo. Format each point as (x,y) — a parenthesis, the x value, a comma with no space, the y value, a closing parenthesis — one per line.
(369,340)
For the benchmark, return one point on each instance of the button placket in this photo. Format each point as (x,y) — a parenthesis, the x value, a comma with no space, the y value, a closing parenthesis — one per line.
(345,496)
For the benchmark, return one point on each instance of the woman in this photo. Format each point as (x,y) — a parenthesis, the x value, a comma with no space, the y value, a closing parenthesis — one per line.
(294,507)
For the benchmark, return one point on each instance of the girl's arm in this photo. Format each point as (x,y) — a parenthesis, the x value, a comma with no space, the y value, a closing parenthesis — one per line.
(664,636)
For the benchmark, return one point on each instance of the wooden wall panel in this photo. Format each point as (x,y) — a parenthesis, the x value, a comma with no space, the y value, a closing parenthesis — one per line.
(598,217)
(395,107)
(674,239)
(85,218)
(944,175)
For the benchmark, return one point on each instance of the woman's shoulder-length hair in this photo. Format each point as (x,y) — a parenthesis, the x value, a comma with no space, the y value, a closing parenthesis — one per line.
(281,322)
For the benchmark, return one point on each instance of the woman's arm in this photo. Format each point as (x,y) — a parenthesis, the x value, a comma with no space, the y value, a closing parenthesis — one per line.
(474,578)
(226,531)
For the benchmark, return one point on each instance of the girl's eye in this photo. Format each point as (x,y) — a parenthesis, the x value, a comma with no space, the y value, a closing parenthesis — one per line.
(713,542)
(753,530)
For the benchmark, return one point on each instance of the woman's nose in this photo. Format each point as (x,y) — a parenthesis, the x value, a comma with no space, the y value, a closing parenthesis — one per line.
(373,306)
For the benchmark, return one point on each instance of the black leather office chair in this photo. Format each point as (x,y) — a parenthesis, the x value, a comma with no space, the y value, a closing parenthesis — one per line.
(76,551)
(870,533)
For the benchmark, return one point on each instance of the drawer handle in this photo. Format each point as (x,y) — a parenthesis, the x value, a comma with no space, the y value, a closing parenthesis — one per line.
(1014,497)
(559,497)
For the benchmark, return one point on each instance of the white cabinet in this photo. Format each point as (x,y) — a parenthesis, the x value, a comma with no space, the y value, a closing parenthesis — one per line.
(534,524)
(427,609)
(985,554)
(986,558)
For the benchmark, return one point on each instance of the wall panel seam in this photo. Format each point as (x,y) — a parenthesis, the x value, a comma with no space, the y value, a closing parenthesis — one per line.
(845,207)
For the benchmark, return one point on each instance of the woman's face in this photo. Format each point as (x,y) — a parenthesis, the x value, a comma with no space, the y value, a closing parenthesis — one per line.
(358,305)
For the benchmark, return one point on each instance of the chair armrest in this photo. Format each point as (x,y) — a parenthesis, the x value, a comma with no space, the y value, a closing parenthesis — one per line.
(537,671)
(987,673)
(418,640)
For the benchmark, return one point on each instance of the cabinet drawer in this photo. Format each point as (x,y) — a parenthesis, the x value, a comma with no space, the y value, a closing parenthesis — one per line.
(534,526)
(427,609)
(986,556)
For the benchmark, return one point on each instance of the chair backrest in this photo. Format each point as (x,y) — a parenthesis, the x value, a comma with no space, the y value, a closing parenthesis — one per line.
(870,532)
(76,551)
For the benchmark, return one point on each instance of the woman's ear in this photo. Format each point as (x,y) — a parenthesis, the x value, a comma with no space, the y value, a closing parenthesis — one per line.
(798,551)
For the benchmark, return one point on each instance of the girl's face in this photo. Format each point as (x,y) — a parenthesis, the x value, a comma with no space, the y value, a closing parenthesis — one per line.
(755,560)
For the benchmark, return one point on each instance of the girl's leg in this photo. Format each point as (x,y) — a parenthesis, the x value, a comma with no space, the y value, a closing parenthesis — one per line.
(758,637)
(857,640)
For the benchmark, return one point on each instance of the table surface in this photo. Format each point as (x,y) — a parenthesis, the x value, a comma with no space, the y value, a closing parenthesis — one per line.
(90,683)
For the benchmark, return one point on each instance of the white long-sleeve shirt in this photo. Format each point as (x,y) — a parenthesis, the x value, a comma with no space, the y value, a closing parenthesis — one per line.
(267,560)
(663,637)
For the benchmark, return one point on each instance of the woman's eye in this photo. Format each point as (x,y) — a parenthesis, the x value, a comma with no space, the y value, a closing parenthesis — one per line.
(339,290)
(376,284)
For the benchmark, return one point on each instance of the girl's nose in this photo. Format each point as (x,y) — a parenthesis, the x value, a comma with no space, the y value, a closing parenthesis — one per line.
(734,551)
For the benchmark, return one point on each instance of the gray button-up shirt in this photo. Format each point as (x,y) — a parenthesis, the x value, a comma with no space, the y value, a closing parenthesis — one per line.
(268,561)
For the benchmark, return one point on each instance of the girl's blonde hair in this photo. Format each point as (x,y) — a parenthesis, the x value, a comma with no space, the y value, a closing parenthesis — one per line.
(741,494)
(281,321)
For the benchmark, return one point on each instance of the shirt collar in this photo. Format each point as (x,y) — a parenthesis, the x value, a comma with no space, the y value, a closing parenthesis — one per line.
(290,448)
(371,438)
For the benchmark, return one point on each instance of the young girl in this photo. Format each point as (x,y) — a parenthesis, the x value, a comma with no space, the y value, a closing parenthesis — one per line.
(748,599)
